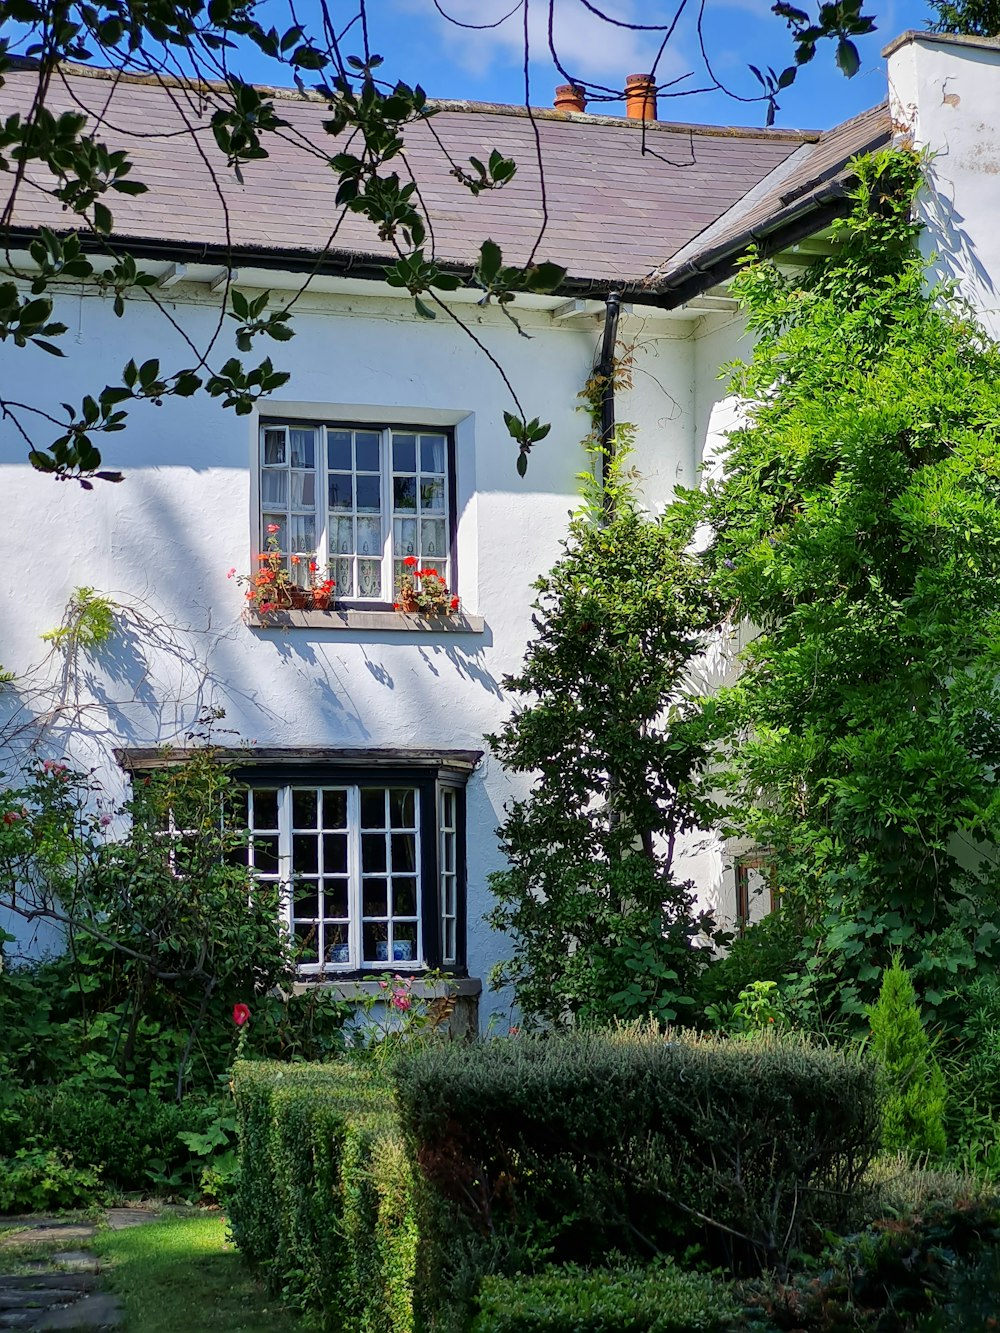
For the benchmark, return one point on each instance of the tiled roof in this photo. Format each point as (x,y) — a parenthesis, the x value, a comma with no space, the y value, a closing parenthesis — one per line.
(621,199)
(813,176)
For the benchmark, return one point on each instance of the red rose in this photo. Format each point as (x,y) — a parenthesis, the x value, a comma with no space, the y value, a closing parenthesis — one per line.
(241,1014)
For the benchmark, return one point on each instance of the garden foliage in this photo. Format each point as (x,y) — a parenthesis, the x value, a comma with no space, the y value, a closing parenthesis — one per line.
(600,925)
(855,525)
(568,1149)
(322,1204)
(915,1093)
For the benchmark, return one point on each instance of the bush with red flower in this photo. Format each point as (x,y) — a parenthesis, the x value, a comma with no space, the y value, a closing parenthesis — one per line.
(424,591)
(270,586)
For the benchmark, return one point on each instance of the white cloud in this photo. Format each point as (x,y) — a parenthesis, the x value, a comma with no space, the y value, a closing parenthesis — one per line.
(588,46)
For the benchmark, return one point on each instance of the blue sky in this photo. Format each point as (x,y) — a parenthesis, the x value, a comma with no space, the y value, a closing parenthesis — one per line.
(419,45)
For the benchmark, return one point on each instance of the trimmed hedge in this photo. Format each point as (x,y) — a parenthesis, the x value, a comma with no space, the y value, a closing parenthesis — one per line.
(322,1205)
(653,1300)
(567,1149)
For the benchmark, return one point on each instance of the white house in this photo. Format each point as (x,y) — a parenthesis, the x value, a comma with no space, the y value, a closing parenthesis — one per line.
(360,729)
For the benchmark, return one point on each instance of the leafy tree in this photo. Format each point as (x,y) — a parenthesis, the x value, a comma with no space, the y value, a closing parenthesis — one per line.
(974,18)
(856,526)
(600,924)
(913,1117)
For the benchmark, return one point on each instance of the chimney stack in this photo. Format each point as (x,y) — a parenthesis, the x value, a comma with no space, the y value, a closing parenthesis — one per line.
(640,97)
(570,98)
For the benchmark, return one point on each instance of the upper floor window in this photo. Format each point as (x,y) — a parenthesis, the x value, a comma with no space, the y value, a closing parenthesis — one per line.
(359,500)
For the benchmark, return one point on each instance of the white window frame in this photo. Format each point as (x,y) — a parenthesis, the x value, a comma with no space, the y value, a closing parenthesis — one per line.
(390,559)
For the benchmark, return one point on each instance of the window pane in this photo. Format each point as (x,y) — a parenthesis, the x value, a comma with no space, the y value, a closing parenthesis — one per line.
(342,535)
(307,949)
(404,536)
(303,532)
(404,897)
(265,809)
(431,496)
(305,853)
(432,538)
(304,807)
(337,948)
(369,536)
(369,451)
(369,578)
(274,447)
(372,853)
(303,445)
(404,493)
(404,453)
(338,450)
(305,903)
(335,809)
(303,489)
(335,853)
(341,491)
(372,807)
(402,809)
(432,453)
(374,898)
(274,488)
(404,942)
(342,572)
(374,944)
(335,898)
(404,853)
(265,854)
(281,536)
(369,494)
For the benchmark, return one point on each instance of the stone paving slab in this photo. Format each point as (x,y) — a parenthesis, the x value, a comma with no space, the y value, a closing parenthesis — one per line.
(96,1311)
(41,1235)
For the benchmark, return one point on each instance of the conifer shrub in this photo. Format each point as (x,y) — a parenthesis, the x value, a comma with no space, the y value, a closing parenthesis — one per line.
(652,1300)
(571,1148)
(914,1106)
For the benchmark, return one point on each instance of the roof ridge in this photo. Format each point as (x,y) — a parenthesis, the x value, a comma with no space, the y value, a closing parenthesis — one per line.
(444,104)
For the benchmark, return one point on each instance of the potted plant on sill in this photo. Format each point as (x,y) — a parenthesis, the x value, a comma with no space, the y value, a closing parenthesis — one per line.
(270,587)
(424,592)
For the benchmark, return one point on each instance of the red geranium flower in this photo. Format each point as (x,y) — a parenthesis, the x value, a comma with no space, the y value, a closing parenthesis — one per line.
(241,1014)
(411,560)
(454,603)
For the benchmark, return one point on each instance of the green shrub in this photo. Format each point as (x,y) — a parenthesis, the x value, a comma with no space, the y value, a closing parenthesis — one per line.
(915,1099)
(654,1300)
(321,1203)
(37,1179)
(570,1148)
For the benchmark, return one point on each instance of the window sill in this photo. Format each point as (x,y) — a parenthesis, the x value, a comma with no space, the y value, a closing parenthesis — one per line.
(379,622)
(424,990)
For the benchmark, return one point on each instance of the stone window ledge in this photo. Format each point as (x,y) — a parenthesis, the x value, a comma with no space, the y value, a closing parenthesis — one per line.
(352,989)
(379,622)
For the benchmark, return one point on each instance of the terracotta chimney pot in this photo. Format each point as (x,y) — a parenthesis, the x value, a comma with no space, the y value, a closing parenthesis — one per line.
(640,97)
(570,98)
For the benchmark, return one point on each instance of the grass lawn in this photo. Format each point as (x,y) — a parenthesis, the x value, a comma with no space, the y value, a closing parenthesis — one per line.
(181,1274)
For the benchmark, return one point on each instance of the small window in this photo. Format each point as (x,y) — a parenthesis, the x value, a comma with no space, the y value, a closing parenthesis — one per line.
(369,871)
(359,500)
(754,896)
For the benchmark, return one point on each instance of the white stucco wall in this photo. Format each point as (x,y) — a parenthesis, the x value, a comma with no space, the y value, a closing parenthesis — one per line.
(163,540)
(943,95)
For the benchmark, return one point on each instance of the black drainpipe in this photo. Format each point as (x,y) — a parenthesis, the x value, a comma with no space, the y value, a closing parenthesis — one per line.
(606,371)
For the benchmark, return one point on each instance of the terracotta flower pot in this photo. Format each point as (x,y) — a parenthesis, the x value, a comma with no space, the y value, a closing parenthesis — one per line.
(320,600)
(409,605)
(300,597)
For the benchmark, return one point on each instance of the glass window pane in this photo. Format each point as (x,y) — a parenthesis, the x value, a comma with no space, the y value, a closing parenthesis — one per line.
(341,491)
(432,453)
(303,490)
(404,941)
(374,944)
(369,494)
(303,447)
(404,453)
(374,898)
(335,942)
(404,493)
(281,535)
(432,538)
(404,853)
(305,901)
(369,453)
(404,897)
(342,572)
(431,495)
(265,808)
(306,943)
(342,536)
(335,898)
(335,809)
(402,808)
(265,854)
(274,488)
(338,450)
(404,537)
(369,536)
(305,854)
(372,807)
(303,532)
(335,853)
(304,807)
(369,578)
(372,852)
(274,448)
